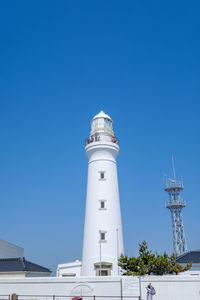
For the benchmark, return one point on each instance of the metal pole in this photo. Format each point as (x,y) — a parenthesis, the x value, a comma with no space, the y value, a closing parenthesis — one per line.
(100,257)
(121,289)
(140,288)
(117,230)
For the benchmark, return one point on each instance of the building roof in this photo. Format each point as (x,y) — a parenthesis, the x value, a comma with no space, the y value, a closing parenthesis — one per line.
(71,264)
(20,265)
(190,256)
(102,115)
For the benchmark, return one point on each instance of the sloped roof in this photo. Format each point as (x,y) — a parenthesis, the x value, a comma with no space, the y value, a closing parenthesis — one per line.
(101,115)
(20,264)
(190,256)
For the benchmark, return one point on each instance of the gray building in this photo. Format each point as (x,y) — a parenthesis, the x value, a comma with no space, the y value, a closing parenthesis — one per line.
(194,258)
(14,265)
(8,250)
(20,267)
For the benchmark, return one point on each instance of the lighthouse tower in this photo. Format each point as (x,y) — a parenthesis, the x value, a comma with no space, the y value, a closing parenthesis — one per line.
(103,238)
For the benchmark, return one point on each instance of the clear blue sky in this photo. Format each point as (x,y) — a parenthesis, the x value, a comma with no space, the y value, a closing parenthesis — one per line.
(61,62)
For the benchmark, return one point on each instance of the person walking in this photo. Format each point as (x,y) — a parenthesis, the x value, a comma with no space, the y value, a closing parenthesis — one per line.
(150,291)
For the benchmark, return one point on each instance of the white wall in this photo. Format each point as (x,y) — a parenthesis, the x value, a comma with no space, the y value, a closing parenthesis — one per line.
(167,287)
(69,269)
(172,287)
(73,286)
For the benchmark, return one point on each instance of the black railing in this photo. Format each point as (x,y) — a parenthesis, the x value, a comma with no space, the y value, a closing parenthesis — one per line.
(101,138)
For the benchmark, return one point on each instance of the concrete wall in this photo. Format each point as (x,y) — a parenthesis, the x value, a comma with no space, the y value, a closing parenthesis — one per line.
(172,287)
(167,287)
(73,286)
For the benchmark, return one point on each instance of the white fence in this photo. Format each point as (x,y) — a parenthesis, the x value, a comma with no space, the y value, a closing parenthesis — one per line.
(171,287)
(89,288)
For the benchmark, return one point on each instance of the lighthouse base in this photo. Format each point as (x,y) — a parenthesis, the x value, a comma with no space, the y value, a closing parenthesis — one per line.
(73,269)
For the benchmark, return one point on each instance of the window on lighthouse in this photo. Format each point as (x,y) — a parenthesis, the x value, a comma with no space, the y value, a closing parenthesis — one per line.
(103,273)
(108,123)
(102,236)
(102,204)
(102,175)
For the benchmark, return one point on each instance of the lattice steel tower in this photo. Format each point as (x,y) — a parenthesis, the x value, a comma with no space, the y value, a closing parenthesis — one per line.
(175,204)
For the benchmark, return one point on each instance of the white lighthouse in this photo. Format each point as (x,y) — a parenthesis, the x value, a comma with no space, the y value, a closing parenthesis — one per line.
(103,238)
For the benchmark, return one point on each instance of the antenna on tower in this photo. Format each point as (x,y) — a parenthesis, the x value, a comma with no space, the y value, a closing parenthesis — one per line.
(173,167)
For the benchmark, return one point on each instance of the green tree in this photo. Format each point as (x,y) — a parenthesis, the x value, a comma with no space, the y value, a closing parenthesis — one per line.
(150,263)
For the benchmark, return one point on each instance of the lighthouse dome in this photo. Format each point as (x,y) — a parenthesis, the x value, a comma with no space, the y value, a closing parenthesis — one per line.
(102,123)
(102,114)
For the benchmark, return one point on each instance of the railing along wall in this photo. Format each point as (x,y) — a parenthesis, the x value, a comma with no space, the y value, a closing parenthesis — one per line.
(66,297)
